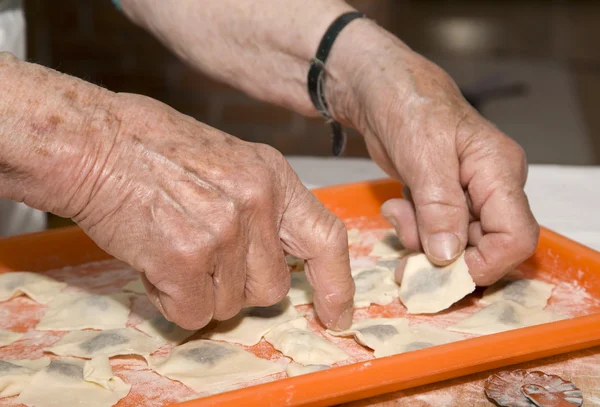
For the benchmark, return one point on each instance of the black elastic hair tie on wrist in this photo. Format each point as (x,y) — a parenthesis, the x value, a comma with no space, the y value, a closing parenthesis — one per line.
(316,88)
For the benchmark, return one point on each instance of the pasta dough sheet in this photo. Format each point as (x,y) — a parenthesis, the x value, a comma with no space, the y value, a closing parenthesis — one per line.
(8,337)
(295,341)
(526,292)
(427,289)
(374,333)
(72,311)
(37,286)
(16,374)
(208,366)
(374,286)
(112,342)
(63,383)
(251,324)
(294,369)
(166,331)
(301,291)
(134,286)
(389,247)
(503,316)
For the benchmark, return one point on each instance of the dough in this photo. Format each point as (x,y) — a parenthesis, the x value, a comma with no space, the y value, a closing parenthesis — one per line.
(16,374)
(71,311)
(165,331)
(502,316)
(37,286)
(112,342)
(528,293)
(8,337)
(294,369)
(427,289)
(390,264)
(208,366)
(374,286)
(301,291)
(353,236)
(62,383)
(134,286)
(389,247)
(295,341)
(374,333)
(251,324)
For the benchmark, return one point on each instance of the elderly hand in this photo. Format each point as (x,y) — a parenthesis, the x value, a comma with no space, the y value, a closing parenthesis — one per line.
(465,178)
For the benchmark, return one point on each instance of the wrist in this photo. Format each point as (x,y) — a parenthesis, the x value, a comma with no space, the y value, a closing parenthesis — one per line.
(53,134)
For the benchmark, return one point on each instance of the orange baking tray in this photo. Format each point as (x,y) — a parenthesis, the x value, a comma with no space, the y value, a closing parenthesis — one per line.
(556,259)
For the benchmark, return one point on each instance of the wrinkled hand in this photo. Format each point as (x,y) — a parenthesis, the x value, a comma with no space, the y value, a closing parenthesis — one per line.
(465,178)
(207,217)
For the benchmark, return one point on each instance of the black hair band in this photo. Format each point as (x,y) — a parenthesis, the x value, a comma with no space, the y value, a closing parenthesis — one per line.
(316,74)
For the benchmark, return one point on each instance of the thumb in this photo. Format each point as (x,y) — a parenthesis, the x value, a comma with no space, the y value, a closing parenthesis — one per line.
(442,213)
(311,232)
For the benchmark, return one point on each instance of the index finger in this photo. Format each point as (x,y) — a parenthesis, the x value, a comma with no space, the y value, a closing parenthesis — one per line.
(311,232)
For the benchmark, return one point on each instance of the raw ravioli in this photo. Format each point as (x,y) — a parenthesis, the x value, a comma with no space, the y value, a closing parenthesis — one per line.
(112,342)
(374,286)
(37,286)
(208,366)
(72,311)
(389,247)
(294,369)
(374,333)
(8,337)
(295,341)
(165,331)
(251,324)
(528,293)
(135,286)
(62,383)
(301,291)
(502,316)
(427,289)
(16,374)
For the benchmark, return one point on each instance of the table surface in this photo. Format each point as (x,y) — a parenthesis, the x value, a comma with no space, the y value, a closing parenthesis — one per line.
(564,199)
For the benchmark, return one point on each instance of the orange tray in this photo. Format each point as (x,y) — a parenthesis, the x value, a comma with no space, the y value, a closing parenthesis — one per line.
(358,204)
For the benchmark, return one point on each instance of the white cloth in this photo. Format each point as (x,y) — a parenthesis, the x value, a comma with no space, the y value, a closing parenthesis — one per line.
(16,217)
(563,198)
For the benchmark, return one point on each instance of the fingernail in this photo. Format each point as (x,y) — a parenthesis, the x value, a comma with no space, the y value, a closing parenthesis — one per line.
(392,220)
(345,319)
(443,246)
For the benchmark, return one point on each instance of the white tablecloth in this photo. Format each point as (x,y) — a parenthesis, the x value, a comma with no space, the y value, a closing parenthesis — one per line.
(565,199)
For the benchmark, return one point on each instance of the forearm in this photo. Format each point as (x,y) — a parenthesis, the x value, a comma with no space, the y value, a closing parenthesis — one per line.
(262,47)
(53,133)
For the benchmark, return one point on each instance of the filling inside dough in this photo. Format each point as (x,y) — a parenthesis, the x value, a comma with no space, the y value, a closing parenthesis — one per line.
(296,341)
(37,286)
(208,366)
(427,289)
(252,323)
(166,331)
(16,374)
(374,286)
(526,292)
(389,247)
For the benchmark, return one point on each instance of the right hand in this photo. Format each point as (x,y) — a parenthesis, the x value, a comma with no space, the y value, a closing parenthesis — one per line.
(207,218)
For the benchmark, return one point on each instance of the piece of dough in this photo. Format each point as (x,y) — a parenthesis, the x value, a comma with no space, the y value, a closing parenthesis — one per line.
(71,311)
(374,333)
(16,374)
(112,342)
(427,289)
(389,247)
(294,369)
(134,286)
(208,366)
(374,286)
(295,341)
(62,383)
(8,337)
(98,371)
(353,236)
(502,316)
(528,293)
(252,323)
(389,264)
(165,331)
(37,286)
(301,291)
